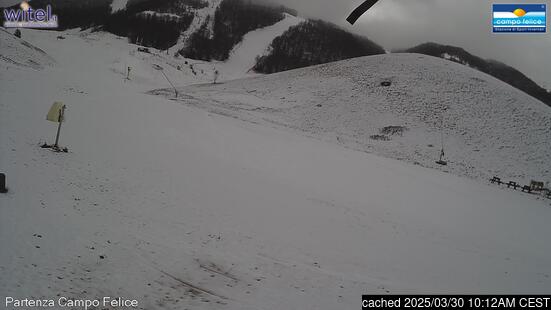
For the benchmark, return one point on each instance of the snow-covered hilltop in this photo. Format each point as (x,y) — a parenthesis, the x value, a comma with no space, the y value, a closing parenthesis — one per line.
(489,127)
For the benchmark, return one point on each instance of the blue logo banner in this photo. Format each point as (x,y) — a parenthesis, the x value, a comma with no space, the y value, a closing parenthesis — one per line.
(527,18)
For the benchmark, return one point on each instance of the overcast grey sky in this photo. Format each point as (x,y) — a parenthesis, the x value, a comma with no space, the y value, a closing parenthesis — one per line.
(465,23)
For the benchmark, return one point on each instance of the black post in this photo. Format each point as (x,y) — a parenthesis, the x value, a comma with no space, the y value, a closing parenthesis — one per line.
(174,87)
(60,120)
(3,188)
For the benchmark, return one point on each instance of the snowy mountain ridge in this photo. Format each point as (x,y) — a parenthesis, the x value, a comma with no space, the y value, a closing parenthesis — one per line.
(494,68)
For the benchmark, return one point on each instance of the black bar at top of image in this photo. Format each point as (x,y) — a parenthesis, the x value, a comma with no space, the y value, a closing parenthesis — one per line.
(359,11)
(473,302)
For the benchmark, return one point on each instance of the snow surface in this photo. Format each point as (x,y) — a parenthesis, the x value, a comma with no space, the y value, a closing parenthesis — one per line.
(21,53)
(179,207)
(254,44)
(489,128)
(203,16)
(118,5)
(244,55)
(158,14)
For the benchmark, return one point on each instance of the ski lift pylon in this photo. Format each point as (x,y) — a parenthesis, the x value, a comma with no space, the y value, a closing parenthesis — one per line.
(441,161)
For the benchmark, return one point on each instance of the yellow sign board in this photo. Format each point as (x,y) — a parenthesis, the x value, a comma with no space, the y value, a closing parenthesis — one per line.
(56,113)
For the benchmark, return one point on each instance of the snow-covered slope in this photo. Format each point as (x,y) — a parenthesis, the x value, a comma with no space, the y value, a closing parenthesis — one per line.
(181,208)
(255,44)
(202,16)
(489,127)
(118,5)
(18,52)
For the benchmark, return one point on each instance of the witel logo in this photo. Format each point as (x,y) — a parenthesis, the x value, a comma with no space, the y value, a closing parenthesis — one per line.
(27,17)
(519,17)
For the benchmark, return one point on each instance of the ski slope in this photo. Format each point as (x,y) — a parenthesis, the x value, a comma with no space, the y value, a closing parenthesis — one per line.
(118,5)
(180,207)
(254,44)
(488,127)
(202,16)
